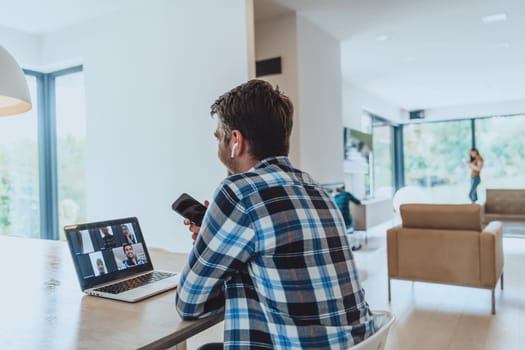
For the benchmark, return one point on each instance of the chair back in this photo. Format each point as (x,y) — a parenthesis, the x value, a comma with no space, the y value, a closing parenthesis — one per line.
(442,216)
(383,320)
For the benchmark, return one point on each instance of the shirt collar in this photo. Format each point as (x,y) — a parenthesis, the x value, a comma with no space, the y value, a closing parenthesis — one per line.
(279,160)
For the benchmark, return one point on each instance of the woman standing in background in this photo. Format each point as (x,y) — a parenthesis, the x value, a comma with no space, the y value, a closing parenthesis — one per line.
(475,164)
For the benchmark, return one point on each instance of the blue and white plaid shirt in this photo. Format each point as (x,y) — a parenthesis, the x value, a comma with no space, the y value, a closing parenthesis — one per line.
(272,253)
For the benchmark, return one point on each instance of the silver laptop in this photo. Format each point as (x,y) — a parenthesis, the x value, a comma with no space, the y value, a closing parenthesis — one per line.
(112,261)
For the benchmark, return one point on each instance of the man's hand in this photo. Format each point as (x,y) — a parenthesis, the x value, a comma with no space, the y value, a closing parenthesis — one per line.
(194,229)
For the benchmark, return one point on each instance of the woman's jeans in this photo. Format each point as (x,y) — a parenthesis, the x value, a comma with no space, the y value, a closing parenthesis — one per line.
(474,182)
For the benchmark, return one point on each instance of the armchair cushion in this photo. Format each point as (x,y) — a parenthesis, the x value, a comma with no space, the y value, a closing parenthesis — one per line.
(442,216)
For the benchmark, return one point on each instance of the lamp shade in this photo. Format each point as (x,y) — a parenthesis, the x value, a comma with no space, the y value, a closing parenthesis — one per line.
(14,93)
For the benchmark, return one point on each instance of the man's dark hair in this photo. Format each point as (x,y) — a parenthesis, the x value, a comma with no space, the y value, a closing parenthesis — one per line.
(127,245)
(261,113)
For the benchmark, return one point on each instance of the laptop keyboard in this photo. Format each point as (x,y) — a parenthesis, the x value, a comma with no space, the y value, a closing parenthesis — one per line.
(135,282)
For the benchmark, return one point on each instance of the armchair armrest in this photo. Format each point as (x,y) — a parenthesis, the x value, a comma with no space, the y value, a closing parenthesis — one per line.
(494,228)
(491,253)
(391,246)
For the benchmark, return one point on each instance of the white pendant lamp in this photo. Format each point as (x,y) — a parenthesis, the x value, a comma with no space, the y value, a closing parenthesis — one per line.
(14,93)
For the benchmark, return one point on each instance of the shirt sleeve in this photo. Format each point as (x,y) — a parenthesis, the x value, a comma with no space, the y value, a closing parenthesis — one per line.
(353,198)
(226,241)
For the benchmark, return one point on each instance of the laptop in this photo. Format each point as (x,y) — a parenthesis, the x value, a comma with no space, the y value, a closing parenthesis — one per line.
(112,261)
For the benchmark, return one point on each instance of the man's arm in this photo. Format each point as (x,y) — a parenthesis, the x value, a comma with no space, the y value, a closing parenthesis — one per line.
(353,199)
(224,244)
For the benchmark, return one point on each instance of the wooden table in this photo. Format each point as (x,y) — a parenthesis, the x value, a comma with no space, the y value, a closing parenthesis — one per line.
(43,307)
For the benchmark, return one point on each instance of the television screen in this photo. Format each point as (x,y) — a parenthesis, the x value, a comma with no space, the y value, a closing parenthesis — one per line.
(357,150)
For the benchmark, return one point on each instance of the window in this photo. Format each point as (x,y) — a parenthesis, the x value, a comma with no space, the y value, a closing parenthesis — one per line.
(434,155)
(500,143)
(383,159)
(19,172)
(37,181)
(71,136)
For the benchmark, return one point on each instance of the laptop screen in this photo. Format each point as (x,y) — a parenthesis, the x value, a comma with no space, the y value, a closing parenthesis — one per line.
(107,250)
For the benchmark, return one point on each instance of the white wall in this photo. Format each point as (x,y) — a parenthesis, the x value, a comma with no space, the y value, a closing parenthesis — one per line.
(25,48)
(320,104)
(151,73)
(311,76)
(356,100)
(277,38)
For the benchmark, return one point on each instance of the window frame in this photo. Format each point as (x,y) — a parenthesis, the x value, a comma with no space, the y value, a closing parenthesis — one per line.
(47,149)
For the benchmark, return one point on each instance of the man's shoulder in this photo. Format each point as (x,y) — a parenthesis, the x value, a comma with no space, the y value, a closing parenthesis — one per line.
(269,174)
(244,184)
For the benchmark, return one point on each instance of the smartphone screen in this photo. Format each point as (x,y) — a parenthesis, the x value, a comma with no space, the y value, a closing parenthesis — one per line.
(190,208)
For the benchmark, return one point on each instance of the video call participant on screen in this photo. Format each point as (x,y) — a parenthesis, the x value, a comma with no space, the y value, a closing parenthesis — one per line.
(129,237)
(100,267)
(272,251)
(131,260)
(107,237)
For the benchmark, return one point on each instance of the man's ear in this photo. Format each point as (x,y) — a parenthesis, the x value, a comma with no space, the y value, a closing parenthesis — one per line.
(238,143)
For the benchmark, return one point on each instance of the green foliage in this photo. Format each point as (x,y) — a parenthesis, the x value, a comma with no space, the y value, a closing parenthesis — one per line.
(19,196)
(19,186)
(5,191)
(435,152)
(71,180)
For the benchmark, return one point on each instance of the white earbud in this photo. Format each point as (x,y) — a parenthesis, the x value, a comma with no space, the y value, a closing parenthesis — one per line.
(234,148)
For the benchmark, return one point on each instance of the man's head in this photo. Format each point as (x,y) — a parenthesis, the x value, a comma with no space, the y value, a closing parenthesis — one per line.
(128,251)
(254,118)
(105,230)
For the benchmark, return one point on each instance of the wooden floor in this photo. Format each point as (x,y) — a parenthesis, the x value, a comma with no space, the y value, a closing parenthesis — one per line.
(433,316)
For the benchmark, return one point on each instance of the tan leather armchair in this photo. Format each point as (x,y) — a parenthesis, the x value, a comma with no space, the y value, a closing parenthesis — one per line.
(445,243)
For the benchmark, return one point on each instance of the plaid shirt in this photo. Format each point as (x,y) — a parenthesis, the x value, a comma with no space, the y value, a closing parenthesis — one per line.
(272,253)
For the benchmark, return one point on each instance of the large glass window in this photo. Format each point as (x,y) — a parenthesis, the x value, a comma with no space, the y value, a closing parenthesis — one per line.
(42,158)
(500,143)
(19,173)
(382,136)
(434,156)
(71,136)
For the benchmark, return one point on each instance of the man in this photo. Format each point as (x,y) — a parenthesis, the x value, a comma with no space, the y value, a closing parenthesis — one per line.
(131,260)
(342,199)
(272,252)
(107,237)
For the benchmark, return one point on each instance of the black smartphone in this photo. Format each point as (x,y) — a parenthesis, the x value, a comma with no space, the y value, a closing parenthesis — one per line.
(190,208)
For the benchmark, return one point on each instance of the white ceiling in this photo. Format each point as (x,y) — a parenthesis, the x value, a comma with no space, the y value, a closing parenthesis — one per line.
(45,16)
(439,53)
